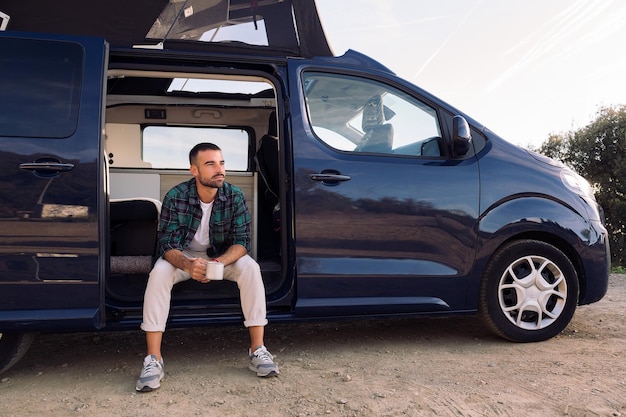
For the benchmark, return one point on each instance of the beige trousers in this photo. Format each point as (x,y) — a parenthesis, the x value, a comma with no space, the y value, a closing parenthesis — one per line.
(245,272)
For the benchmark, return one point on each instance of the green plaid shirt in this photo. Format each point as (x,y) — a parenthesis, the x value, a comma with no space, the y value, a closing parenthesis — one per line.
(181,214)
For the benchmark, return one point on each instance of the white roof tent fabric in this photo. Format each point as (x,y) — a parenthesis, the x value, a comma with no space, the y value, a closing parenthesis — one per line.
(260,27)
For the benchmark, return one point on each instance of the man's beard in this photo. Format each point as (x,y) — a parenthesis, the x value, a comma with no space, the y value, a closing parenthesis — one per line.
(213,182)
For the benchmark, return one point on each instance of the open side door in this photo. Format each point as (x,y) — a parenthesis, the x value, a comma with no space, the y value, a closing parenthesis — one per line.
(53,199)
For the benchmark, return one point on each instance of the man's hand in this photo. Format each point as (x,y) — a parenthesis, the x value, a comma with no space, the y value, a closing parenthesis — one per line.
(197,269)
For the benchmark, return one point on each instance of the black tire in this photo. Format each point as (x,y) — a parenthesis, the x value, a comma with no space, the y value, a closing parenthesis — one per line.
(13,346)
(529,291)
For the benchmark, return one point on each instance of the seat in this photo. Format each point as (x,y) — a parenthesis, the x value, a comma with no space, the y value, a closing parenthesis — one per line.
(267,156)
(134,224)
(267,160)
(378,134)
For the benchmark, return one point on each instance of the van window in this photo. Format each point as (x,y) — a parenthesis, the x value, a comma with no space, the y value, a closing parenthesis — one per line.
(359,115)
(41,85)
(208,21)
(169,146)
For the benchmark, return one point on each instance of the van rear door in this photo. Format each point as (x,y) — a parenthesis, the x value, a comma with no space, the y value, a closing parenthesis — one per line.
(52,183)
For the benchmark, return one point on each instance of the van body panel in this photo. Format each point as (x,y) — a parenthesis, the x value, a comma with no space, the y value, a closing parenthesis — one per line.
(510,208)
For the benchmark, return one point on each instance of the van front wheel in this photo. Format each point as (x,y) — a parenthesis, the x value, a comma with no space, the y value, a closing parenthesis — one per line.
(12,347)
(529,291)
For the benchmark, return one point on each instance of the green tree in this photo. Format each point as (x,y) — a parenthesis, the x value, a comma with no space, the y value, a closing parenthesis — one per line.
(598,153)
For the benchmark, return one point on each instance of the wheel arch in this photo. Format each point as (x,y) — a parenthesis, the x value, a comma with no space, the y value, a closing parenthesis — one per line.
(552,221)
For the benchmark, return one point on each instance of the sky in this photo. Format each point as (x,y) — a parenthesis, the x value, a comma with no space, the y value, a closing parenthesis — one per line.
(523,68)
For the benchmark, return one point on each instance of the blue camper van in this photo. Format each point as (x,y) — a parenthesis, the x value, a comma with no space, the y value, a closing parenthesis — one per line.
(369,196)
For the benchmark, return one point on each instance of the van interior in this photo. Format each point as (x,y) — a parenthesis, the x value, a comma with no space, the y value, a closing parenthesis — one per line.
(152,120)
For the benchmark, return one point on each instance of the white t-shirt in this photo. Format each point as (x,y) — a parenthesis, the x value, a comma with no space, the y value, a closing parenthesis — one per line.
(200,241)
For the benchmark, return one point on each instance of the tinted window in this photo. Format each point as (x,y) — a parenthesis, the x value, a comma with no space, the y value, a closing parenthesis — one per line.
(40,83)
(360,115)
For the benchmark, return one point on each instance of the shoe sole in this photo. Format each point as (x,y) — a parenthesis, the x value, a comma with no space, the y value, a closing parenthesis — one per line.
(147,388)
(260,375)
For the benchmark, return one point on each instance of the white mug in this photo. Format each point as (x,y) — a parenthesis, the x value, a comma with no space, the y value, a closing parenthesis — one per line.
(214,271)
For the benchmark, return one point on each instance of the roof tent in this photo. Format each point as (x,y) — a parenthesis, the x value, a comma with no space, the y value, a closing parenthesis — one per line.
(272,27)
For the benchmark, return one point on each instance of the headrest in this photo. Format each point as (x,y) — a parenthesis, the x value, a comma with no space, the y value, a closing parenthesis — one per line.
(373,114)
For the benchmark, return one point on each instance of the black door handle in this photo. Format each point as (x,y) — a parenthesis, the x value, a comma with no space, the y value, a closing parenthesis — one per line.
(329,177)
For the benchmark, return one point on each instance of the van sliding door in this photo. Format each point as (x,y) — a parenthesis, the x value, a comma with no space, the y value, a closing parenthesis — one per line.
(52,184)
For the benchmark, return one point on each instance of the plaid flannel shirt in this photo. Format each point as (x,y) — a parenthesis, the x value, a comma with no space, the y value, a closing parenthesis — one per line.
(181,214)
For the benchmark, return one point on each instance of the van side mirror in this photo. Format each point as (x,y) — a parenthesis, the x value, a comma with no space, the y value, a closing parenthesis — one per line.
(462,137)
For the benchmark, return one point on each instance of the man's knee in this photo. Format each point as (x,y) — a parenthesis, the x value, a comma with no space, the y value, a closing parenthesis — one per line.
(162,268)
(247,267)
(164,273)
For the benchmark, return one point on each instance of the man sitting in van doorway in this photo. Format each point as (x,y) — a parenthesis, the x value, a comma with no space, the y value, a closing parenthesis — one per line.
(206,203)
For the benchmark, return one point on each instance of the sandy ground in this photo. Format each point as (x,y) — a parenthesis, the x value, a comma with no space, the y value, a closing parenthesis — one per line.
(399,367)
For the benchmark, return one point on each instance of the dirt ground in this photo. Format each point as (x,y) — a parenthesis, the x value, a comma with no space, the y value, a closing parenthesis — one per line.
(398,367)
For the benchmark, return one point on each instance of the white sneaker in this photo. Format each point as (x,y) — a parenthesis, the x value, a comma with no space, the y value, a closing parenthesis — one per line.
(262,362)
(151,374)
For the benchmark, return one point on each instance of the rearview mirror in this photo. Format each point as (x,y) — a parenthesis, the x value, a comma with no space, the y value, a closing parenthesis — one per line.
(462,137)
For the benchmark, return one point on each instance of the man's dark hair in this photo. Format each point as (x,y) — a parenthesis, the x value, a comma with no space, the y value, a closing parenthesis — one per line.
(204,146)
